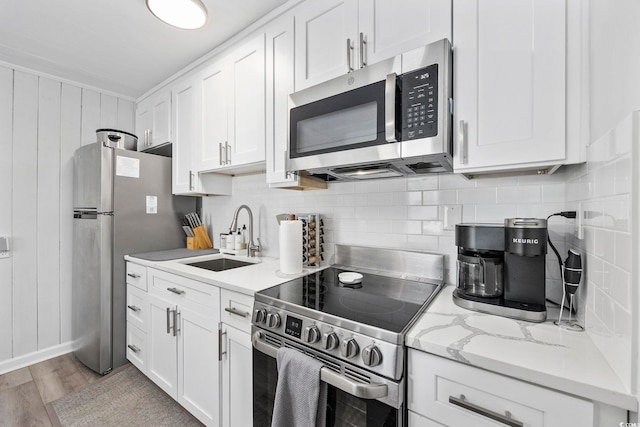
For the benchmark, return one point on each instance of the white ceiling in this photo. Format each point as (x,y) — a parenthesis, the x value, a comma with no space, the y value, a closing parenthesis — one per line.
(114,45)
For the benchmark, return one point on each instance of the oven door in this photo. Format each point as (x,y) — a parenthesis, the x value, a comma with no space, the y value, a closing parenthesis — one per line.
(346,121)
(372,402)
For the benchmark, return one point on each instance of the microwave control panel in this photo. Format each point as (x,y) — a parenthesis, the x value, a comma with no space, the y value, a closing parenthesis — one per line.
(420,103)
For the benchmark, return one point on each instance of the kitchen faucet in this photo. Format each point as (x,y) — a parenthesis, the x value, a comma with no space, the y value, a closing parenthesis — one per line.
(252,248)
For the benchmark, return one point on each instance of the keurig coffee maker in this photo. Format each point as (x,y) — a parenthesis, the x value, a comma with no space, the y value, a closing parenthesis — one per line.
(501,268)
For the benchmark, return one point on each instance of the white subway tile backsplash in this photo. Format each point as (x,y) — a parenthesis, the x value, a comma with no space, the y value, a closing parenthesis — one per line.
(432,227)
(519,194)
(408,198)
(477,195)
(623,250)
(439,197)
(427,182)
(422,212)
(495,213)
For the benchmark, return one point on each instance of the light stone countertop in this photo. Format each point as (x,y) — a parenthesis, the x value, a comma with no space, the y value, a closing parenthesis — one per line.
(539,353)
(265,273)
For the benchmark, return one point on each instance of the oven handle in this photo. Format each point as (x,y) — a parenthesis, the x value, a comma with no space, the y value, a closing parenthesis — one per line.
(363,391)
(390,108)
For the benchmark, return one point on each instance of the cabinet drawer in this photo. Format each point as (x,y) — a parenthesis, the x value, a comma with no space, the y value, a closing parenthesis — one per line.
(416,420)
(203,298)
(137,307)
(456,394)
(235,309)
(137,275)
(137,347)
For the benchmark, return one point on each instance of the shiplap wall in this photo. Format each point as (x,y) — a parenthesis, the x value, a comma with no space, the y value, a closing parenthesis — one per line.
(42,122)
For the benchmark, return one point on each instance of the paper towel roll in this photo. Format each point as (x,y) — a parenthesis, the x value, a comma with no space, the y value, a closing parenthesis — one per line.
(291,247)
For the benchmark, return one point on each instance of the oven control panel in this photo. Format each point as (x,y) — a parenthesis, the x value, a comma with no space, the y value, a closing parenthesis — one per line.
(365,351)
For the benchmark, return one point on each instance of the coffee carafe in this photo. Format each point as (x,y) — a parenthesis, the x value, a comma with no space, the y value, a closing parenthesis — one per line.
(501,268)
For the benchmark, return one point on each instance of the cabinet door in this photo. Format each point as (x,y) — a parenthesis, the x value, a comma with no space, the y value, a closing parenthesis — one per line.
(198,364)
(144,123)
(214,82)
(509,81)
(280,78)
(246,104)
(237,380)
(153,120)
(185,129)
(389,28)
(161,343)
(326,39)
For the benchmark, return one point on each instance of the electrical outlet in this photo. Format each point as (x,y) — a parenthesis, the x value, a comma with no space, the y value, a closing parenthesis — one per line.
(578,228)
(452,216)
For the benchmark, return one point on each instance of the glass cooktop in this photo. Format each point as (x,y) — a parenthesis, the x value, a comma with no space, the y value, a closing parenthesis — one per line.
(384,302)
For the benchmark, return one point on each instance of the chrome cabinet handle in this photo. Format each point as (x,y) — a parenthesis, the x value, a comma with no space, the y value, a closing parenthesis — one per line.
(176,329)
(191,187)
(220,158)
(168,320)
(176,291)
(133,308)
(227,153)
(134,348)
(504,419)
(463,143)
(237,312)
(133,275)
(363,47)
(220,342)
(349,49)
(390,108)
(364,391)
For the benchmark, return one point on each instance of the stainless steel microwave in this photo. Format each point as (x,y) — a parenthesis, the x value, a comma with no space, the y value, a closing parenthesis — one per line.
(392,118)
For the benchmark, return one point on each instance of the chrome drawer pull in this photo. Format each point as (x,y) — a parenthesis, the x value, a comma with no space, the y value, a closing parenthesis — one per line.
(133,275)
(134,348)
(134,308)
(237,312)
(176,291)
(504,419)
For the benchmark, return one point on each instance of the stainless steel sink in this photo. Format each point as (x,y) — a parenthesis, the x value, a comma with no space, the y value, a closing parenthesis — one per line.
(220,264)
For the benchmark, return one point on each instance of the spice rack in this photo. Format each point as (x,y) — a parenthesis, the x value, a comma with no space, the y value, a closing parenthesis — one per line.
(312,239)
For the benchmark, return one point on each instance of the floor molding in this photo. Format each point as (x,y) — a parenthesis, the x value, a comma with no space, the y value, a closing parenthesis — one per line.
(35,357)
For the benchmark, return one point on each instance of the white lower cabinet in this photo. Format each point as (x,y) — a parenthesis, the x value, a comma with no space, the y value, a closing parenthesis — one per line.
(442,392)
(236,359)
(193,340)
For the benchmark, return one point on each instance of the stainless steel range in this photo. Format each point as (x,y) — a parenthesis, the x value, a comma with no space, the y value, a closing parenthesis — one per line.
(355,325)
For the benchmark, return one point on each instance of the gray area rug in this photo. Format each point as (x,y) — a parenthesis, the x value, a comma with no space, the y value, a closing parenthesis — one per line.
(123,398)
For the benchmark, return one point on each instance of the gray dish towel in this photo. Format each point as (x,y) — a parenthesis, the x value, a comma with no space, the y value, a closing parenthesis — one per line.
(301,398)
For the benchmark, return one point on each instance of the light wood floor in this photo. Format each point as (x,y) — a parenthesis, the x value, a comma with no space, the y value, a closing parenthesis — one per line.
(25,392)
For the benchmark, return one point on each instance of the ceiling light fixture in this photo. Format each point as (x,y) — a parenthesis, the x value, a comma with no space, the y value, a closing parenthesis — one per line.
(185,14)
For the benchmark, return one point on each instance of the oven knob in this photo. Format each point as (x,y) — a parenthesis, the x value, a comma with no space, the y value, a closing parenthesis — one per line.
(330,341)
(261,315)
(273,320)
(371,355)
(311,334)
(349,348)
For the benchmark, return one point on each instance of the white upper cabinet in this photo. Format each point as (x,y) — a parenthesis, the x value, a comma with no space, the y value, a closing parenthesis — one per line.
(212,83)
(333,38)
(510,92)
(388,28)
(246,101)
(153,120)
(185,127)
(188,151)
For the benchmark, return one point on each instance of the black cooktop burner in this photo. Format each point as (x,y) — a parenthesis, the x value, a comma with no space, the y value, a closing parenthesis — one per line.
(385,302)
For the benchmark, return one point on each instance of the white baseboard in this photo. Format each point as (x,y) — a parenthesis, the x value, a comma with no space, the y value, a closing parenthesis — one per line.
(35,357)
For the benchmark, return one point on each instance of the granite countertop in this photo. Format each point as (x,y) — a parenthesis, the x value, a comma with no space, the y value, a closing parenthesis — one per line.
(539,353)
(264,273)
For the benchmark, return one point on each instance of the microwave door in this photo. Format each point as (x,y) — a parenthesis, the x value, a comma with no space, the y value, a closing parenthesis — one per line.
(331,125)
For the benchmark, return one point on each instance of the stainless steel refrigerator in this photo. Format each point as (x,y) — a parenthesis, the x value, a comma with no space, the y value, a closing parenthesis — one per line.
(122,205)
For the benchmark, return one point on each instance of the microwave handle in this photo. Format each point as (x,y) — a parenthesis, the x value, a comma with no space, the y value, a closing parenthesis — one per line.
(390,108)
